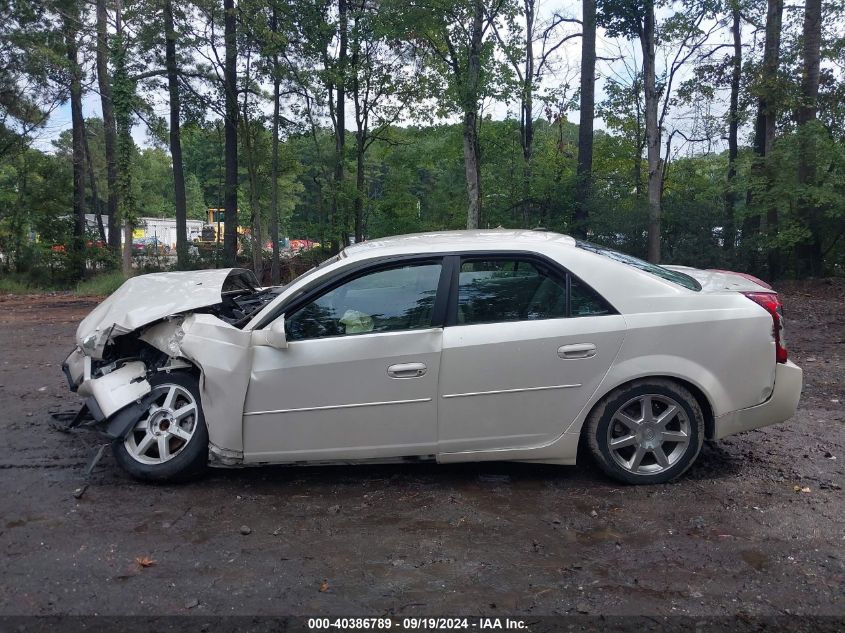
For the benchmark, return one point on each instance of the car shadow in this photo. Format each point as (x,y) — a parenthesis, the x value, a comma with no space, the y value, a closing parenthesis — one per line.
(715,461)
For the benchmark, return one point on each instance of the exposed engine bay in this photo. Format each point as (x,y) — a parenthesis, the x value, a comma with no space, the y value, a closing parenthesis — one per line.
(239,306)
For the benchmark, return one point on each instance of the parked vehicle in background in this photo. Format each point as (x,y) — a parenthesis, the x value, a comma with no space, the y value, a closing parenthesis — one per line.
(291,248)
(150,246)
(455,346)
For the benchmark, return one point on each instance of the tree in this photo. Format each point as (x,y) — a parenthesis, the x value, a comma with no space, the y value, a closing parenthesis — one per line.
(382,86)
(584,176)
(71,20)
(681,36)
(123,98)
(809,250)
(623,112)
(457,39)
(766,90)
(530,52)
(637,19)
(32,83)
(230,89)
(180,200)
(109,126)
(729,228)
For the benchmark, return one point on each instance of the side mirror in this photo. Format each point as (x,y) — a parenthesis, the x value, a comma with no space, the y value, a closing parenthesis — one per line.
(274,336)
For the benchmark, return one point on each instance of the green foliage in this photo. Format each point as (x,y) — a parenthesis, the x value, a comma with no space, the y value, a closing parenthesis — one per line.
(409,78)
(17,285)
(777,187)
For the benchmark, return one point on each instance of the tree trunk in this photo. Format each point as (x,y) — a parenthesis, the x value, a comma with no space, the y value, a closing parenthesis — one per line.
(809,251)
(472,148)
(729,226)
(275,272)
(359,185)
(255,209)
(109,128)
(639,142)
(655,180)
(71,30)
(764,137)
(180,200)
(527,113)
(230,192)
(471,168)
(362,118)
(341,233)
(95,194)
(584,176)
(124,91)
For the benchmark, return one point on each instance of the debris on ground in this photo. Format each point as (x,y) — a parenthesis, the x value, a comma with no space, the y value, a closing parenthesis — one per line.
(144,561)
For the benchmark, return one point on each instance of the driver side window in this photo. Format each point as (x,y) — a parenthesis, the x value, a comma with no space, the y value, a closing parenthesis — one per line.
(387,300)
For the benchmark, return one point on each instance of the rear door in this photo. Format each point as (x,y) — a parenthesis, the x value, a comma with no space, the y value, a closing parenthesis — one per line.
(526,345)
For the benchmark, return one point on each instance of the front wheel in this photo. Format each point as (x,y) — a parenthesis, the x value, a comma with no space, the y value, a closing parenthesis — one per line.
(169,442)
(647,432)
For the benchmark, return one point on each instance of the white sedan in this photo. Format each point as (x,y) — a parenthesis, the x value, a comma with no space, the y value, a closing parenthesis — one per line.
(452,347)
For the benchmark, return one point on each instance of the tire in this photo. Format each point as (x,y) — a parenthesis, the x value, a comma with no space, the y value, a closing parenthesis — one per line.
(172,426)
(635,447)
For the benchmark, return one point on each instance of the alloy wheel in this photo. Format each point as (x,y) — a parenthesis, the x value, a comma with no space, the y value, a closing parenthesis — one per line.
(648,434)
(166,428)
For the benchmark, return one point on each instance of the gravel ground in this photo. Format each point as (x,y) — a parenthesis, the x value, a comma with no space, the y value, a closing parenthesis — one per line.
(755,528)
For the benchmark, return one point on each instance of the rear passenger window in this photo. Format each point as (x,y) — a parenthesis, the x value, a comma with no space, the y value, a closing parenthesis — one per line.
(496,290)
(584,301)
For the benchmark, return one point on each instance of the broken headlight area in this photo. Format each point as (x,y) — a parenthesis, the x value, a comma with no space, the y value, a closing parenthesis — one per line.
(115,382)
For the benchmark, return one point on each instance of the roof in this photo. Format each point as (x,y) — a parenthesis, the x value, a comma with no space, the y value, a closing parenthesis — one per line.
(444,241)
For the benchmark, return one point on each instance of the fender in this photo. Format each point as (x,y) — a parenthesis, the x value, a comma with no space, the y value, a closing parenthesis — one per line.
(223,355)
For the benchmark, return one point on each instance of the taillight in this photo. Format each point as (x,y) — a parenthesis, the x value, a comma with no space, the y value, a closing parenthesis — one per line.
(771,302)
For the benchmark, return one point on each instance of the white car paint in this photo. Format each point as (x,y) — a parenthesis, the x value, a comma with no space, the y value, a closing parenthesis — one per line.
(488,391)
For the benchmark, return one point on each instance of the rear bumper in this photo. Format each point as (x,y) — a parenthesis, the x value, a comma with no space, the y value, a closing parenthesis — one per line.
(779,407)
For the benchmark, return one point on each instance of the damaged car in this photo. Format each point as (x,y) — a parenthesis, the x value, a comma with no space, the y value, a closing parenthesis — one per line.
(451,347)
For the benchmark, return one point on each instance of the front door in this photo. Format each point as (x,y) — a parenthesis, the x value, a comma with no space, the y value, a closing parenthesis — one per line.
(359,377)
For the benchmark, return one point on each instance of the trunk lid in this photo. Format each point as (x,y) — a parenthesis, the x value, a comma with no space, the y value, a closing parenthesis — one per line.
(721,280)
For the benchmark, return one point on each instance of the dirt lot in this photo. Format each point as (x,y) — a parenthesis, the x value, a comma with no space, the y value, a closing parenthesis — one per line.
(736,536)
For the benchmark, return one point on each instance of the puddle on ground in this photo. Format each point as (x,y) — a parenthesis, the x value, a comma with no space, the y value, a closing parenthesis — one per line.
(755,559)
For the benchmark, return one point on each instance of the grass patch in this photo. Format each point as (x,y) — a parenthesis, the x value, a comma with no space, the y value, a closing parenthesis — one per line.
(15,285)
(100,286)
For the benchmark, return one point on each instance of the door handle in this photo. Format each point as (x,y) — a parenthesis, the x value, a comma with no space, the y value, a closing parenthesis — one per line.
(407,370)
(577,350)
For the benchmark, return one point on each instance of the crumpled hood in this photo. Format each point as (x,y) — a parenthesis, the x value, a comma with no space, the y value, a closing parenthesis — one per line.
(148,298)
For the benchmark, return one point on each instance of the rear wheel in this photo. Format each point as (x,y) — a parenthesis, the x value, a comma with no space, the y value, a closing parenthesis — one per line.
(647,432)
(170,440)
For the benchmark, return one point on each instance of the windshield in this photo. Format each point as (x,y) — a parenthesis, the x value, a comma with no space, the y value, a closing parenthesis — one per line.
(320,266)
(664,273)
